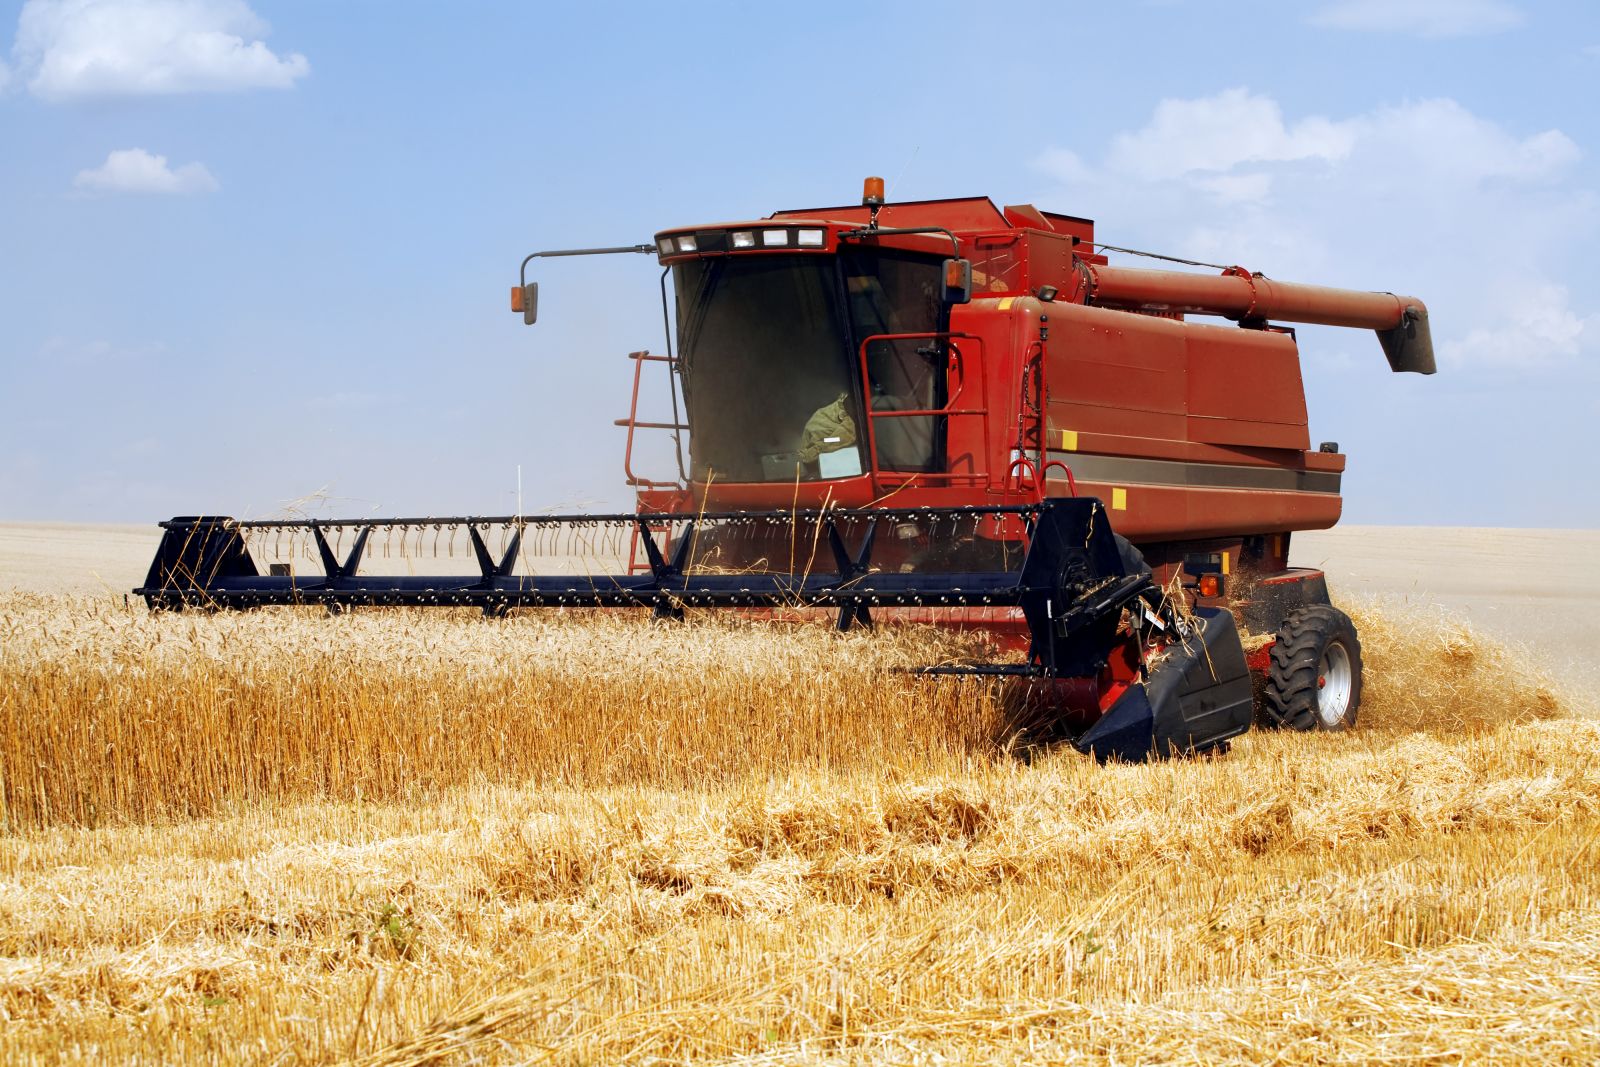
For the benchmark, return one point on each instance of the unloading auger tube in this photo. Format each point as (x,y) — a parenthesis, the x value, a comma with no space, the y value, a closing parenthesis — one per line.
(1401,322)
(1183,685)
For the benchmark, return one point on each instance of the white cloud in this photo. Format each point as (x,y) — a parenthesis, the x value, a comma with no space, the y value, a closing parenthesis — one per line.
(1237,188)
(1533,325)
(1227,143)
(83,48)
(1217,133)
(5,75)
(1453,144)
(133,170)
(1490,226)
(1426,18)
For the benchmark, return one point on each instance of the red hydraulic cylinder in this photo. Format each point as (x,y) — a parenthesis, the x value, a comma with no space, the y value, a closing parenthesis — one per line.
(1401,321)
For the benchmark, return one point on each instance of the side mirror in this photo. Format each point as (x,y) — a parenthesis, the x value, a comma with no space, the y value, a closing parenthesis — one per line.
(525,298)
(957,281)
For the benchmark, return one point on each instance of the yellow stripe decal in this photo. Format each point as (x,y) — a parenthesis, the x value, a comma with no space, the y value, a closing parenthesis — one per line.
(1005,305)
(1069,440)
(1225,563)
(1119,502)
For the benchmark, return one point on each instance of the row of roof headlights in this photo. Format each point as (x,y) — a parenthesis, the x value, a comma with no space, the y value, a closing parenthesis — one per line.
(747,239)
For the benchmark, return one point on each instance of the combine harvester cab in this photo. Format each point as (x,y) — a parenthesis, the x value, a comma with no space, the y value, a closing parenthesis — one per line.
(949,413)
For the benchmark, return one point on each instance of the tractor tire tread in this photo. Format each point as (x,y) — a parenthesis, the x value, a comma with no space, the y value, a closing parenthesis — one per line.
(1291,683)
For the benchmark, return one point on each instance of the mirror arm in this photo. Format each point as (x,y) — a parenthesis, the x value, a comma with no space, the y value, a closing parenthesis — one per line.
(523,272)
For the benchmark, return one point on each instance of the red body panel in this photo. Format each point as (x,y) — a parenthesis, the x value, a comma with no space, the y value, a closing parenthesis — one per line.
(1180,513)
(1189,431)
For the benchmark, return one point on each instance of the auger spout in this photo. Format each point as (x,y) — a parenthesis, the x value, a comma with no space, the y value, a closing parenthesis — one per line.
(1401,322)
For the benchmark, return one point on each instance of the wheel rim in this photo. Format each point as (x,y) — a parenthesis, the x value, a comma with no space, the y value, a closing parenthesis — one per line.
(1334,682)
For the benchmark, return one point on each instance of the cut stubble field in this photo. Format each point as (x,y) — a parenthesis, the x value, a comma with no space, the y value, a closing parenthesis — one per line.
(408,838)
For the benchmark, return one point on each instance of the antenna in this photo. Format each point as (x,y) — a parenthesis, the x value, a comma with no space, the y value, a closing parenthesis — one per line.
(896,183)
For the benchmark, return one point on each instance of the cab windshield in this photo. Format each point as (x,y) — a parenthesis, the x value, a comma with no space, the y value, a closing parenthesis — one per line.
(768,351)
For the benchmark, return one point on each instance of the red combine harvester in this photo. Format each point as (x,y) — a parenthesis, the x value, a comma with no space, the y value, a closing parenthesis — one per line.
(959,414)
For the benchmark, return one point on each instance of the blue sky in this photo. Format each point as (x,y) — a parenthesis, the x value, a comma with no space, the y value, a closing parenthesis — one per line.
(253,252)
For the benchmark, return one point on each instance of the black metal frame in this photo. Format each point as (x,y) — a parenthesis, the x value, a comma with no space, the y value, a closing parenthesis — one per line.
(1071,584)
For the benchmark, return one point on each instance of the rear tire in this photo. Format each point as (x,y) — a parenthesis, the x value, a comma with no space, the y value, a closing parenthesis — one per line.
(1133,561)
(1314,679)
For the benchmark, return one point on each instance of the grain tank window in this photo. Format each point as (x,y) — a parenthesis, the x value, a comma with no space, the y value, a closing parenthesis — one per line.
(996,265)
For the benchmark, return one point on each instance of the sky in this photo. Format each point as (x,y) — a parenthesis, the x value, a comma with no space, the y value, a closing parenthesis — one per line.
(255,255)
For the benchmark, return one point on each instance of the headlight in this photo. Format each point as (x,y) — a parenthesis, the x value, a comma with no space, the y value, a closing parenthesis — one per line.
(808,238)
(686,243)
(744,239)
(774,237)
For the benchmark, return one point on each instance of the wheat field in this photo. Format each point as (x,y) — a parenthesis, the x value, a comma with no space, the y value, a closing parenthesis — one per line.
(404,838)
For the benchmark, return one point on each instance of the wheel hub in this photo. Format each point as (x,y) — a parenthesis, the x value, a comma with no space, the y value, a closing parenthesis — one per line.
(1334,684)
